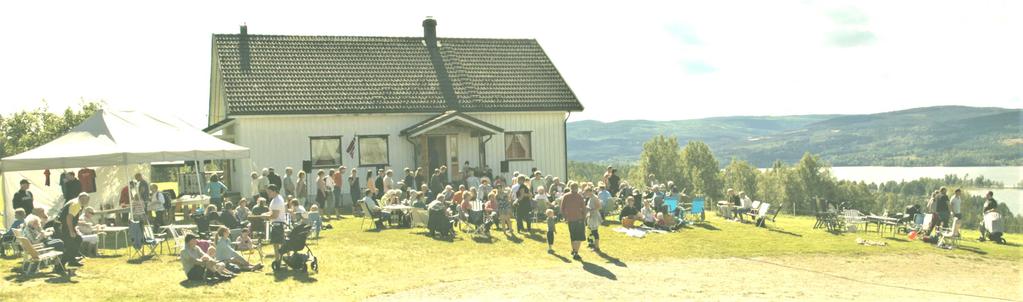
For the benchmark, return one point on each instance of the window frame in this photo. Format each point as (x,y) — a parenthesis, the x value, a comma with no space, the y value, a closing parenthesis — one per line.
(340,152)
(530,151)
(387,150)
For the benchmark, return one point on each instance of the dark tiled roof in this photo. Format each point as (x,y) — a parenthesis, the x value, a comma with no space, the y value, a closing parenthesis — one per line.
(342,74)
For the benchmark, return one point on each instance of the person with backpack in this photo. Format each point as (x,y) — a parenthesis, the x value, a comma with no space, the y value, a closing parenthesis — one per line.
(156,207)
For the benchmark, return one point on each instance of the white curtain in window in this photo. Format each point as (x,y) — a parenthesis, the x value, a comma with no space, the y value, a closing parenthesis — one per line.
(517,146)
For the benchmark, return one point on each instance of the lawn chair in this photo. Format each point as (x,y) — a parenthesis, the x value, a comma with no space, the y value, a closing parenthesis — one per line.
(35,257)
(11,245)
(671,204)
(949,236)
(477,218)
(762,214)
(749,209)
(696,211)
(851,219)
(772,214)
(141,238)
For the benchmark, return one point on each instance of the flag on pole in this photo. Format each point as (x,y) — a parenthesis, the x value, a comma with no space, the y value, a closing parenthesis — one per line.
(351,148)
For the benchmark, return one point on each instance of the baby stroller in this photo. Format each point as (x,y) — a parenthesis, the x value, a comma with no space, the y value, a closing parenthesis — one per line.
(291,251)
(995,227)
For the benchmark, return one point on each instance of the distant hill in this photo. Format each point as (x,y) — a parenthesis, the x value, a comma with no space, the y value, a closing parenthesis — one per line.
(930,136)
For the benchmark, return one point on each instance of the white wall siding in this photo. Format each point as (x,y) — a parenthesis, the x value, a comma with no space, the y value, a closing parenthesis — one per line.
(283,141)
(548,141)
(280,142)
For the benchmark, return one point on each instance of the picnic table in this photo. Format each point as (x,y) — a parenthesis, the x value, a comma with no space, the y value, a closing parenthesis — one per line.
(186,204)
(881,222)
(403,209)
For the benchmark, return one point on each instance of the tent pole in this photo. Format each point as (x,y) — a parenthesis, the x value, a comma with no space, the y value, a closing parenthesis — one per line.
(3,190)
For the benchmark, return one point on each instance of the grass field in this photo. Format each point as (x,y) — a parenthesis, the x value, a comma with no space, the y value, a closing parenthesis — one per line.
(357,264)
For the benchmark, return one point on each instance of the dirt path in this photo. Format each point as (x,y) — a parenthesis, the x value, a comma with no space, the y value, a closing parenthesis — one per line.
(808,278)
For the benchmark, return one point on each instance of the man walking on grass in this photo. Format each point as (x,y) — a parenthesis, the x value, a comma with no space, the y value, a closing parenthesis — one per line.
(574,210)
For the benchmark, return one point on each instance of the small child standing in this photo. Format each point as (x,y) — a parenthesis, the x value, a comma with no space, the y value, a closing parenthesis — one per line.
(552,221)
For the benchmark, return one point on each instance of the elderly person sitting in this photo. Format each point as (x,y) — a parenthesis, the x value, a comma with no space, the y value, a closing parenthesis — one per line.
(89,232)
(197,264)
(226,253)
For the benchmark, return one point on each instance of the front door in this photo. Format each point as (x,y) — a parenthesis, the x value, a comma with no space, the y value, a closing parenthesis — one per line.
(437,152)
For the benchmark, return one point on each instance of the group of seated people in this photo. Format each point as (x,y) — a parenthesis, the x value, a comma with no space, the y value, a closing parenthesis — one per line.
(40,230)
(649,215)
(217,260)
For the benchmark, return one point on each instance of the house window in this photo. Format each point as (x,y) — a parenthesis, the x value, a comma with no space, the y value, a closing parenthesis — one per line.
(373,150)
(325,151)
(518,146)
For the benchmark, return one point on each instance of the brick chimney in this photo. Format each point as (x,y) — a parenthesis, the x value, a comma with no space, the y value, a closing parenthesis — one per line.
(243,49)
(430,31)
(447,90)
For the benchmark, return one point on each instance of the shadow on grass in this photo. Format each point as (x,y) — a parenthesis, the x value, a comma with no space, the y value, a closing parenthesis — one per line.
(562,258)
(707,226)
(617,262)
(484,239)
(195,284)
(302,277)
(438,236)
(141,260)
(511,237)
(781,231)
(896,239)
(536,237)
(972,250)
(599,271)
(105,256)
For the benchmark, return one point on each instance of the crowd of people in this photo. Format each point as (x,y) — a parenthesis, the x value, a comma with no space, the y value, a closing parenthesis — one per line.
(280,202)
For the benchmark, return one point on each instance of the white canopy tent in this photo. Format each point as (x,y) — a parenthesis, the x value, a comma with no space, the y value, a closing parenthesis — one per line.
(115,138)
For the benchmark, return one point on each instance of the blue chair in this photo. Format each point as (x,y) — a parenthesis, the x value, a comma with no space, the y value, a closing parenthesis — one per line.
(697,210)
(671,203)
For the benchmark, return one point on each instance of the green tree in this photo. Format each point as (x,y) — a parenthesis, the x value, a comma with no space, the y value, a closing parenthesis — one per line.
(25,130)
(742,176)
(700,171)
(660,158)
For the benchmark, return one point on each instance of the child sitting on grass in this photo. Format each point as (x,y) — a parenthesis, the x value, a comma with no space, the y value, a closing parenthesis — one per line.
(245,240)
(552,221)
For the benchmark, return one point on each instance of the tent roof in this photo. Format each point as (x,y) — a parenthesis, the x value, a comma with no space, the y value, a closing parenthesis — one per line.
(124,137)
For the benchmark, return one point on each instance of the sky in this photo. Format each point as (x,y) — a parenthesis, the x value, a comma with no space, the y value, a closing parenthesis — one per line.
(637,60)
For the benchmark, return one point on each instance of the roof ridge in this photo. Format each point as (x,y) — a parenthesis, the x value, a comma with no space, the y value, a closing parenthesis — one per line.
(374,37)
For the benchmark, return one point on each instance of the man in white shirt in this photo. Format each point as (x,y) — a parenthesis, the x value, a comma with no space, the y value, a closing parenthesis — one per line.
(957,203)
(277,218)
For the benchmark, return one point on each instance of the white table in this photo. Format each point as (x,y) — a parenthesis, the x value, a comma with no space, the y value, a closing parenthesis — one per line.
(116,230)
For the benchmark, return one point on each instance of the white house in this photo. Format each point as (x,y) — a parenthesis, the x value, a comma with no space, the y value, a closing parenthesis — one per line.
(401,101)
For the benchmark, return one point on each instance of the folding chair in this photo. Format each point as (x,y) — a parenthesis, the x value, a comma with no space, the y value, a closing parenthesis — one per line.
(949,236)
(11,245)
(152,240)
(696,211)
(35,257)
(762,214)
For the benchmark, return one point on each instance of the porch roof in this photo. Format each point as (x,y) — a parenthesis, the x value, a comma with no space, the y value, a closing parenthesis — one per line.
(454,118)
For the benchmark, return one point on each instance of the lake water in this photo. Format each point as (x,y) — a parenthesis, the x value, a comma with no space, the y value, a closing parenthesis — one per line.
(1010,176)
